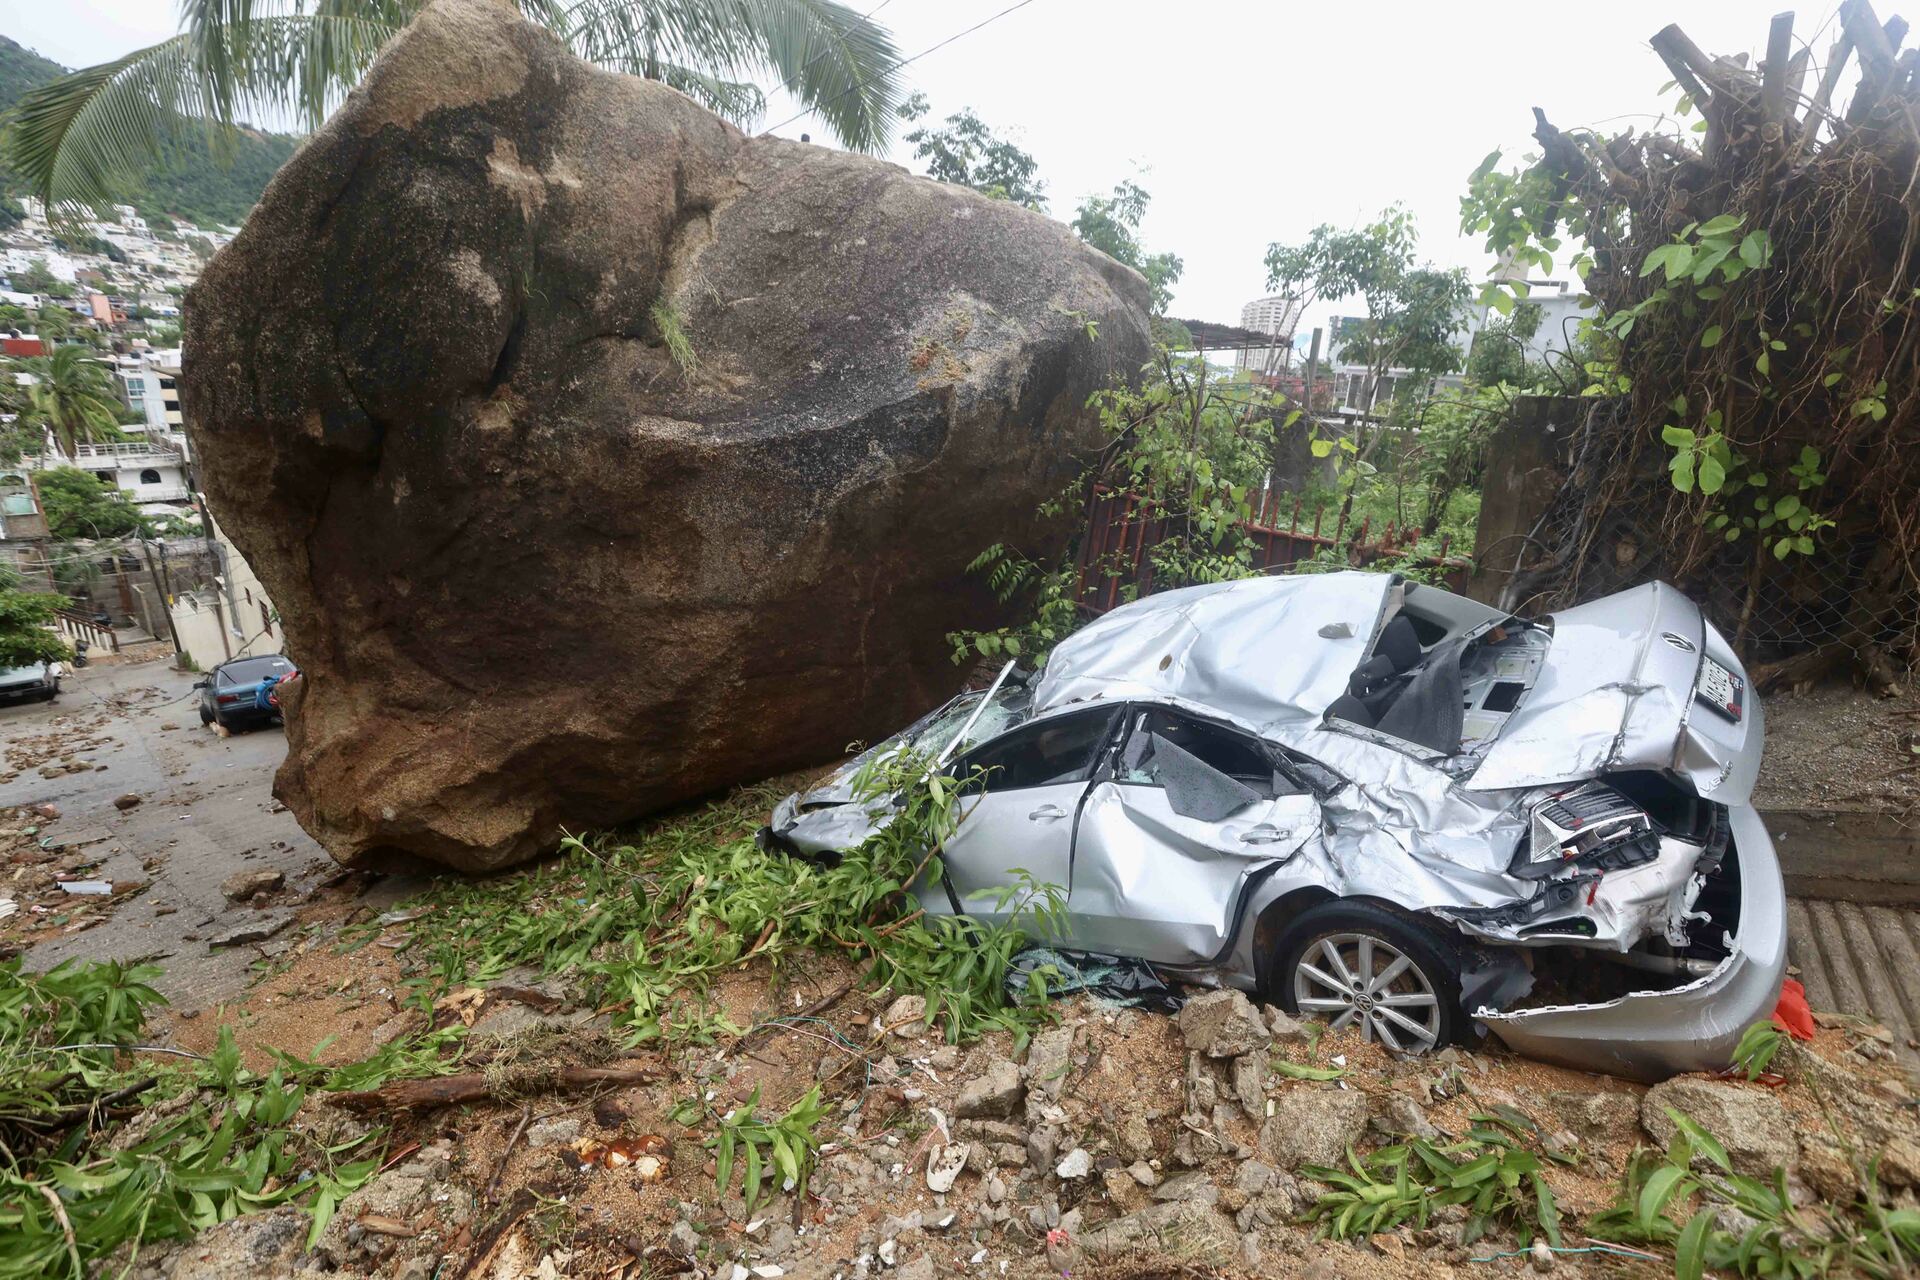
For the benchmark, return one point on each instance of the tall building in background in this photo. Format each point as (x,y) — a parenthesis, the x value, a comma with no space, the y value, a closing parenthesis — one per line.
(1275,314)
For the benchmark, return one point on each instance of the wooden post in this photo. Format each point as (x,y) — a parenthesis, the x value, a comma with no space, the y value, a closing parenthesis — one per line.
(1773,84)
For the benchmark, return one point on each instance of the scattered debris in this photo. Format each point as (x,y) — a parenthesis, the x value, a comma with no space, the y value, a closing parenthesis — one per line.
(242,885)
(447,1091)
(125,802)
(258,929)
(647,1155)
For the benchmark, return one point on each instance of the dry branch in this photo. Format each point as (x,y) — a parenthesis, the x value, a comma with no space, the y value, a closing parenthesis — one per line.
(447,1091)
(1804,359)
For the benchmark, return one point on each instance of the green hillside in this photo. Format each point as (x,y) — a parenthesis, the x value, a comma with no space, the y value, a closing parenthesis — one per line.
(190,182)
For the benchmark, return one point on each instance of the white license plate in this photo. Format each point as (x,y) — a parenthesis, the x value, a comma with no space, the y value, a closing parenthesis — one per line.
(1722,690)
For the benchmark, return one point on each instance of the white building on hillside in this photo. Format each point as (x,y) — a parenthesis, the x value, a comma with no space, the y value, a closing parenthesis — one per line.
(153,467)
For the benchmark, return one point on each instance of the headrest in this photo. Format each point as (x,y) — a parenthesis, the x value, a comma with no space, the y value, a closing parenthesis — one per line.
(1400,644)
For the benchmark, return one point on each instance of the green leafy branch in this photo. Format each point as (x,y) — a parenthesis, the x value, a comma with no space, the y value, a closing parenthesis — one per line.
(777,1153)
(1493,1172)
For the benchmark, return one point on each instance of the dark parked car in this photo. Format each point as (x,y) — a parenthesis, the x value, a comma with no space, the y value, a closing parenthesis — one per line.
(237,694)
(38,681)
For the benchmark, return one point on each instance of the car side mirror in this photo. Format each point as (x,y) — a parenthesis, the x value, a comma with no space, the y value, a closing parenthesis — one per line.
(202,684)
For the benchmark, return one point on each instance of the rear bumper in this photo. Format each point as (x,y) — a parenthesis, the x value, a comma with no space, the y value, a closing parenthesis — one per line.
(1651,1035)
(28,692)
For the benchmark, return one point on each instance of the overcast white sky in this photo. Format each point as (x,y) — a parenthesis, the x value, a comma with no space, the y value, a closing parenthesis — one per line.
(1254,121)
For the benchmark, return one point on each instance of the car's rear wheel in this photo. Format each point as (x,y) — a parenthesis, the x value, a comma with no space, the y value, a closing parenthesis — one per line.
(206,716)
(1357,964)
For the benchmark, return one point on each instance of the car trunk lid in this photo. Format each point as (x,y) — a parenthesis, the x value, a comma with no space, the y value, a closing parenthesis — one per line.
(1636,680)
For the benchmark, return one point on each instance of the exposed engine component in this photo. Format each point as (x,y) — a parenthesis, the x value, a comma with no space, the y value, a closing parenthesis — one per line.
(1592,827)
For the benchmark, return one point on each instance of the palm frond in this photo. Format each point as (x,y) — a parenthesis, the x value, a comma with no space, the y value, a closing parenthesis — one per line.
(254,55)
(738,100)
(825,54)
(79,139)
(835,61)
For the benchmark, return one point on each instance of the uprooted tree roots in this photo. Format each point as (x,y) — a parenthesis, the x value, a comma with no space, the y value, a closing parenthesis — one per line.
(1757,275)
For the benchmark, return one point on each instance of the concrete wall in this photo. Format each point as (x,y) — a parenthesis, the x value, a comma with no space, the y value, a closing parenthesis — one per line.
(230,618)
(252,621)
(1526,463)
(200,626)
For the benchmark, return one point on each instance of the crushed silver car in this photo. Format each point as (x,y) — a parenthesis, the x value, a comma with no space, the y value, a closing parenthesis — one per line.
(1386,804)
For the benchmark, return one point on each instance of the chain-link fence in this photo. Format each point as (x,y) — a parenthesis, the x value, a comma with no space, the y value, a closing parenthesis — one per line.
(1615,520)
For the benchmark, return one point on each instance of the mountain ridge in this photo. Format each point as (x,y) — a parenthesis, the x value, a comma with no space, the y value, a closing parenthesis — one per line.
(190,181)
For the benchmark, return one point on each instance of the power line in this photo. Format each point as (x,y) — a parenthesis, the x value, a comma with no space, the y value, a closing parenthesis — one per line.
(830,46)
(818,106)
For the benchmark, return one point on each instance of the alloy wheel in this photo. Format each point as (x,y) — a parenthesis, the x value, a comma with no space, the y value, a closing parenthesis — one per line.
(1356,977)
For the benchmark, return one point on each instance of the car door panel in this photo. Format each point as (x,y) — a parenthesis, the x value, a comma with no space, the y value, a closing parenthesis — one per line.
(1005,832)
(1022,817)
(1151,881)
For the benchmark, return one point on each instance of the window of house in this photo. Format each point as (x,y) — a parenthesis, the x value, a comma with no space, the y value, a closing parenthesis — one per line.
(149,476)
(266,620)
(248,593)
(1056,750)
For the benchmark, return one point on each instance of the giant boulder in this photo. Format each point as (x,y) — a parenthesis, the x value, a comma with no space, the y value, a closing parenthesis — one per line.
(598,456)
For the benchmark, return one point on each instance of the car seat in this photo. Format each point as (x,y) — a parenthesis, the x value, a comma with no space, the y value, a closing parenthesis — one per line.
(1372,686)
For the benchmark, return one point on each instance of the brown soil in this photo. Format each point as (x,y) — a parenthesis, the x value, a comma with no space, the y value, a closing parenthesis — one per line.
(1126,1070)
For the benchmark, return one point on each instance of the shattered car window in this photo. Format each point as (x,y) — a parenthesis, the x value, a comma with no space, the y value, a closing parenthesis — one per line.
(1207,771)
(1195,789)
(1056,750)
(1008,707)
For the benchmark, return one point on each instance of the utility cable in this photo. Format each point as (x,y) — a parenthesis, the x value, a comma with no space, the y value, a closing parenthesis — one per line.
(906,62)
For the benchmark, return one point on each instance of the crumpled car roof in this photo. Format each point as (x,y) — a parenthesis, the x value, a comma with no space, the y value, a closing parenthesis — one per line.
(1262,651)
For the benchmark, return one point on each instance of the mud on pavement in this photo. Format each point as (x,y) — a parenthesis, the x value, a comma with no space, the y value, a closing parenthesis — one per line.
(117,788)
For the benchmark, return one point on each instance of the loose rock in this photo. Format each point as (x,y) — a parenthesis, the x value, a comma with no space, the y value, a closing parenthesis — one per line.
(995,1094)
(1603,1116)
(242,885)
(1048,1058)
(258,929)
(1222,1024)
(1748,1121)
(905,1019)
(1313,1126)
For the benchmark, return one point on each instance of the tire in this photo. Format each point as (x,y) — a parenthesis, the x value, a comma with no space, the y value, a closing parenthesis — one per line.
(206,716)
(1318,958)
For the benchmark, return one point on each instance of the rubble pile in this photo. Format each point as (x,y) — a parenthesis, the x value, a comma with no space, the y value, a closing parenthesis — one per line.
(1114,1141)
(721,420)
(60,750)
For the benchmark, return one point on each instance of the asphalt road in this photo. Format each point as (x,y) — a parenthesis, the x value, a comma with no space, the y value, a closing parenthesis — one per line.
(206,811)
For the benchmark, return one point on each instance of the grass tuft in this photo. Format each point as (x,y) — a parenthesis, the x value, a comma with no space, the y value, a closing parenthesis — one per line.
(666,320)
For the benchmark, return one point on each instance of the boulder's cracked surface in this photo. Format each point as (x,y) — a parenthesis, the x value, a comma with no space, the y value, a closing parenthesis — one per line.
(539,567)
